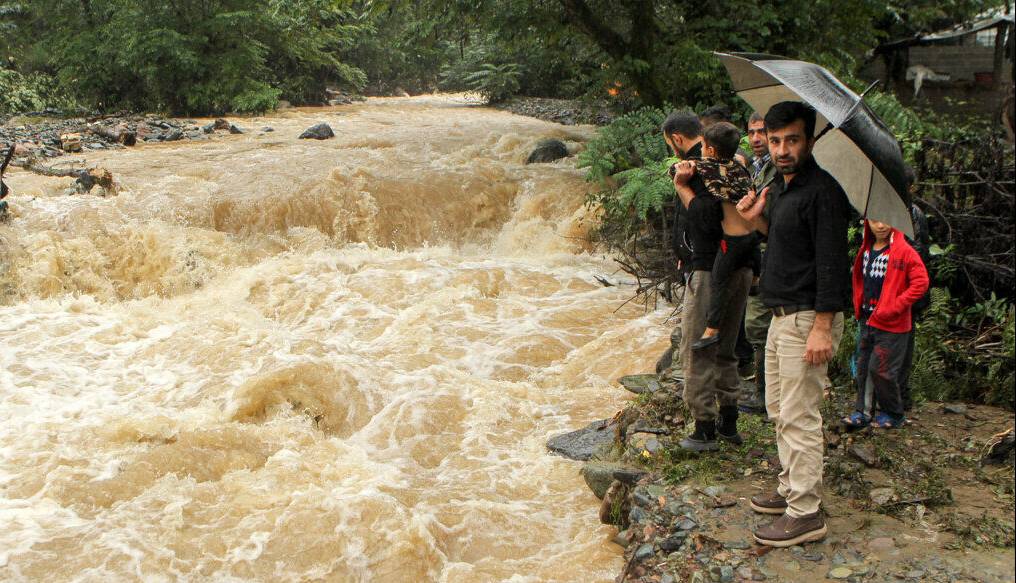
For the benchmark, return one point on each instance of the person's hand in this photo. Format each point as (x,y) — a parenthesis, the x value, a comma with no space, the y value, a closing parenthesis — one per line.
(750,207)
(819,349)
(685,170)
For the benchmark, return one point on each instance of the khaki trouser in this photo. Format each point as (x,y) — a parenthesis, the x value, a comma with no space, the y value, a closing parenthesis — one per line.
(794,391)
(711,375)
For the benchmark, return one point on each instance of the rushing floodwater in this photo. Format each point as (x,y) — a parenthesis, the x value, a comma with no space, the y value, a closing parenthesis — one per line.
(288,360)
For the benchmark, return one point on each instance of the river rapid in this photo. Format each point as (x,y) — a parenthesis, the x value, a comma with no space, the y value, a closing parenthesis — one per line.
(272,359)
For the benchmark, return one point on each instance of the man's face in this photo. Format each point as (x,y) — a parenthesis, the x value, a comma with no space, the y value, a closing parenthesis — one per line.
(789,147)
(757,138)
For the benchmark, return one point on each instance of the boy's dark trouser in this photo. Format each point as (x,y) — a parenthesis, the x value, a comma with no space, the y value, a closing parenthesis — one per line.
(711,379)
(880,356)
(735,253)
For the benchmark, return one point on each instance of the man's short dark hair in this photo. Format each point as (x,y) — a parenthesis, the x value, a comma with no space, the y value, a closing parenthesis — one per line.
(716,114)
(785,113)
(756,116)
(683,122)
(723,137)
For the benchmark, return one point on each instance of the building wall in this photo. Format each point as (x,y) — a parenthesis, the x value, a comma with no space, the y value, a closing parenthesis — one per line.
(960,62)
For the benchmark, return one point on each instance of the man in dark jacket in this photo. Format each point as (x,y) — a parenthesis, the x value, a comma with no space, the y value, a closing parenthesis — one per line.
(806,283)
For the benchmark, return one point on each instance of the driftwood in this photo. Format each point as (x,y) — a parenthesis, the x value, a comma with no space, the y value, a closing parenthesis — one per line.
(998,448)
(119,133)
(85,179)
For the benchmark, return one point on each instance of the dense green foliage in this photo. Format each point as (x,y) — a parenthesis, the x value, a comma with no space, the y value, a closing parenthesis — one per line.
(244,55)
(186,56)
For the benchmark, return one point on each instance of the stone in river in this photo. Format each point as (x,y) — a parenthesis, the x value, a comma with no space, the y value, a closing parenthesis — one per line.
(581,444)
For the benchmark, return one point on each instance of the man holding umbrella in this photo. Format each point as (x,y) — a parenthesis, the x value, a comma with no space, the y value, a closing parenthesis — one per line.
(805,275)
(806,283)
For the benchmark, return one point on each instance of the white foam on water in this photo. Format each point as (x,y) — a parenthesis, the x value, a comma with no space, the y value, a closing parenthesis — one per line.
(272,359)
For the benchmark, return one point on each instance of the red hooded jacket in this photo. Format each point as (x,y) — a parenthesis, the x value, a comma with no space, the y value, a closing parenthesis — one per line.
(906,280)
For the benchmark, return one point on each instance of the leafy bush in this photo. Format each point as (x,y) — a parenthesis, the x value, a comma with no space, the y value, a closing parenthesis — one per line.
(32,92)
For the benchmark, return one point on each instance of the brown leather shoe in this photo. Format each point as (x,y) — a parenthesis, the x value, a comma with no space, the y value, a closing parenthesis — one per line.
(769,503)
(787,532)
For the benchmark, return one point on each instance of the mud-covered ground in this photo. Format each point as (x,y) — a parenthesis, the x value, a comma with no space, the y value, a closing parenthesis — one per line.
(915,504)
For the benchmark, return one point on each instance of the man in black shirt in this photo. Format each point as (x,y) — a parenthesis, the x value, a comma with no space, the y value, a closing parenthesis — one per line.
(806,283)
(682,131)
(711,381)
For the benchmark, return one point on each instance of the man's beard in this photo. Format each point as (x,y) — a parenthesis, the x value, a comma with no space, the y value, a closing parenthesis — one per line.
(791,169)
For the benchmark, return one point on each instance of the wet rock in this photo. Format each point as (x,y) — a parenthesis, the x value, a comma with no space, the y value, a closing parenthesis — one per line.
(865,454)
(629,476)
(267,129)
(233,129)
(882,496)
(173,135)
(638,515)
(686,524)
(737,545)
(653,445)
(839,573)
(321,131)
(643,498)
(599,476)
(644,552)
(713,491)
(547,151)
(221,124)
(673,542)
(208,128)
(581,444)
(954,408)
(640,383)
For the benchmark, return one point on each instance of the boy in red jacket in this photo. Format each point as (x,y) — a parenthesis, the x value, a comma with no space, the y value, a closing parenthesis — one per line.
(889,277)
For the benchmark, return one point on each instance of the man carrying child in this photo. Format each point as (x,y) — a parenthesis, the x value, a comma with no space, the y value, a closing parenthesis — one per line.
(711,386)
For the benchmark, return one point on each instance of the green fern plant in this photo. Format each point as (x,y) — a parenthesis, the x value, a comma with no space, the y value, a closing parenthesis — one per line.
(495,83)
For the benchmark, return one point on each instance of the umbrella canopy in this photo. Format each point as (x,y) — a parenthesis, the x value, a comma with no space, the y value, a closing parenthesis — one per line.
(858,150)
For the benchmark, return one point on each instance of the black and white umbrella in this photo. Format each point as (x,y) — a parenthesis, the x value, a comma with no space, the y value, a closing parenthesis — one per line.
(855,146)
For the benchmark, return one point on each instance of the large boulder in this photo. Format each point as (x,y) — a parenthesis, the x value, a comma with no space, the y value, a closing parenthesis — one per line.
(547,151)
(582,444)
(321,131)
(598,475)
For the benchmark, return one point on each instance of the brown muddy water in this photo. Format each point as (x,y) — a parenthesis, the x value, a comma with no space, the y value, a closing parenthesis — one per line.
(275,359)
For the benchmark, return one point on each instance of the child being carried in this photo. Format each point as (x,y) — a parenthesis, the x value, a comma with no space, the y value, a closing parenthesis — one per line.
(729,181)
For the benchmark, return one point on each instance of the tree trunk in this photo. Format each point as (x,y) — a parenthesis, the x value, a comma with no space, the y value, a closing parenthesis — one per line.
(644,37)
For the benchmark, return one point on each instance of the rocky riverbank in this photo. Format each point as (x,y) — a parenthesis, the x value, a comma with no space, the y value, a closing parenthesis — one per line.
(563,111)
(50,137)
(913,505)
